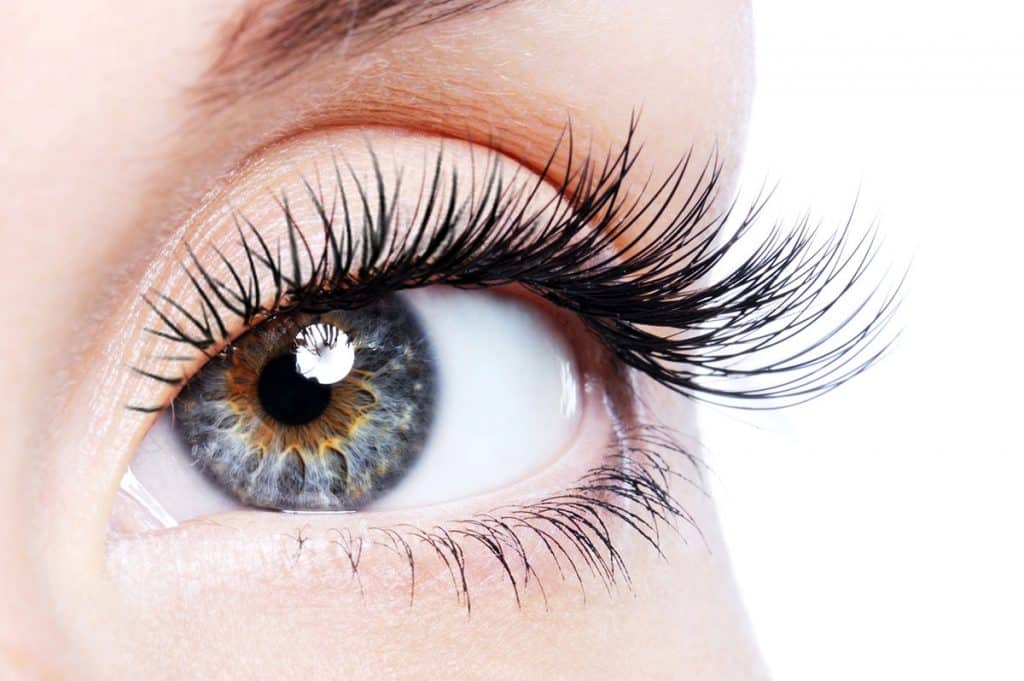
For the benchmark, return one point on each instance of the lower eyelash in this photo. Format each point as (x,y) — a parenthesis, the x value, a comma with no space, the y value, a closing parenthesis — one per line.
(578,529)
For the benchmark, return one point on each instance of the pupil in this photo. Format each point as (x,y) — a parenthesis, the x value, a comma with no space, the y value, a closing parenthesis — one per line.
(288,396)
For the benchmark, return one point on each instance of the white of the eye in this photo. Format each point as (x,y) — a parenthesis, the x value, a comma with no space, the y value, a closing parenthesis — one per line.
(507,401)
(166,482)
(324,353)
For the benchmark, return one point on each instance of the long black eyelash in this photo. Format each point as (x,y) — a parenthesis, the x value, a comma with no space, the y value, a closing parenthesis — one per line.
(632,489)
(642,270)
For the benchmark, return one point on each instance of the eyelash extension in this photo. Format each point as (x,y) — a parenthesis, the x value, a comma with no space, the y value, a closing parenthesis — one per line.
(658,303)
(574,527)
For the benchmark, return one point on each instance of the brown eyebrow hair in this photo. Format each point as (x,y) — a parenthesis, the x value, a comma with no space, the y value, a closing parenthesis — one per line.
(269,40)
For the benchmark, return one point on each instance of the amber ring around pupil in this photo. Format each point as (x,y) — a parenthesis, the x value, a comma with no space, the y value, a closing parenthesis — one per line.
(288,396)
(274,437)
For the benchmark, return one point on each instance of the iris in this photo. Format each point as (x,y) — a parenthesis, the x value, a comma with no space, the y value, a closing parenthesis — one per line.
(260,423)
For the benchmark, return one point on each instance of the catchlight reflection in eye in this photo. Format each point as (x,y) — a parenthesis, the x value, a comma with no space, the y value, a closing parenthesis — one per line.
(423,397)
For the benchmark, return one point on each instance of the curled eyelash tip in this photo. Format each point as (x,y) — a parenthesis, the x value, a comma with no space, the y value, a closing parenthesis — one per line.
(663,303)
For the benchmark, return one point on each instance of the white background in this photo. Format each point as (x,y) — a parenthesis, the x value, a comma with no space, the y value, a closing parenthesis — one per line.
(877,533)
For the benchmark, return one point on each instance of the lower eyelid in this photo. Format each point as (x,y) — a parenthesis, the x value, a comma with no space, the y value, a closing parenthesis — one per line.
(610,493)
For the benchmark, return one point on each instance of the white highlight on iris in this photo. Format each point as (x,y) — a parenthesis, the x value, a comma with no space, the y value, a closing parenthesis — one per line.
(324,353)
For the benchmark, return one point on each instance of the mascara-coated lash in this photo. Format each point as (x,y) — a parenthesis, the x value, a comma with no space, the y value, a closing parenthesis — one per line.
(646,270)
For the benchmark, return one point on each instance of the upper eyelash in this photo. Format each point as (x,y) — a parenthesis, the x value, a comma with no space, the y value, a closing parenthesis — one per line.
(648,301)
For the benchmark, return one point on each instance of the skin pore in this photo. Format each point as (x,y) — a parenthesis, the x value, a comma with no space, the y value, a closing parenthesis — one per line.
(123,140)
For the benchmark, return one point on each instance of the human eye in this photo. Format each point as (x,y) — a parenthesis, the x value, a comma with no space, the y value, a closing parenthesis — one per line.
(434,350)
(415,397)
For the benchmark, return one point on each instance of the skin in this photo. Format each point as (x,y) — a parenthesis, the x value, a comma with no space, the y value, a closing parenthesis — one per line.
(109,161)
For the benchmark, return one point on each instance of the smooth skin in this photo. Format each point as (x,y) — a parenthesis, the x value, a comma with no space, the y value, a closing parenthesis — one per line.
(108,157)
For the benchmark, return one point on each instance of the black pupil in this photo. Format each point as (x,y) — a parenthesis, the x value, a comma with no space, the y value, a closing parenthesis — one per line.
(288,396)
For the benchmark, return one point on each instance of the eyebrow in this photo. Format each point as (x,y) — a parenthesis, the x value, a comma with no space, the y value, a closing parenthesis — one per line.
(268,40)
